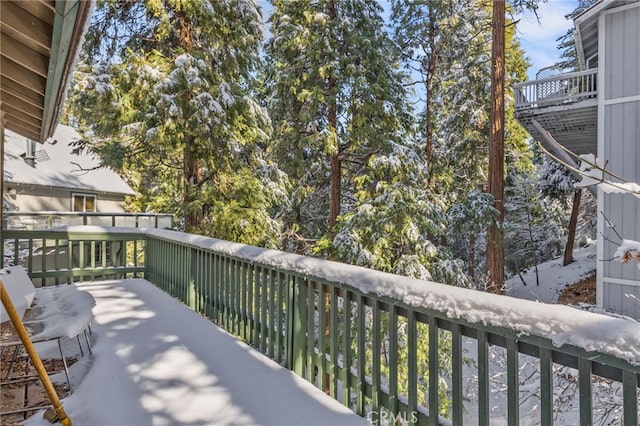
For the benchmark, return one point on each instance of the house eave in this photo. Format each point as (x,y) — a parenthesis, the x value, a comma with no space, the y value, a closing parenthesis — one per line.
(586,27)
(41,41)
(72,18)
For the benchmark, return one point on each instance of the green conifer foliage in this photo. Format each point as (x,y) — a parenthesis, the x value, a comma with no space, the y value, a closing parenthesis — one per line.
(163,96)
(336,98)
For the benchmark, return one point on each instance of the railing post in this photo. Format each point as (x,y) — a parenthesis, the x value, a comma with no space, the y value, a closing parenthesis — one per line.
(630,397)
(191,278)
(297,314)
(584,390)
(546,387)
(483,378)
(513,381)
(456,375)
(434,373)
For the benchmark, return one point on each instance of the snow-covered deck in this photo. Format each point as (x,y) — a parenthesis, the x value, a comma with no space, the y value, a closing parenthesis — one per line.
(155,361)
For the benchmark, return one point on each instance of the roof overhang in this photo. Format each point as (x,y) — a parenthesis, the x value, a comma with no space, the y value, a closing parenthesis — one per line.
(586,28)
(40,41)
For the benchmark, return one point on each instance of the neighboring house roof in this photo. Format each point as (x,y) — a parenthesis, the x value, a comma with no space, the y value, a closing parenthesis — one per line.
(54,165)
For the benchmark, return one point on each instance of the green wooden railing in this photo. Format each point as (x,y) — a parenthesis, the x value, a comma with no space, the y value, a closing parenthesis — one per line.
(386,358)
(57,257)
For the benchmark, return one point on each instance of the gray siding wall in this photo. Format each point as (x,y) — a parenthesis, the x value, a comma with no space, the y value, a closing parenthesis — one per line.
(622,60)
(620,148)
(32,198)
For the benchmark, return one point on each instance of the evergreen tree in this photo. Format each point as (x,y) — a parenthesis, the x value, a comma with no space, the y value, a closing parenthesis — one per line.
(534,230)
(336,99)
(567,43)
(555,179)
(163,96)
(388,228)
(462,115)
(469,221)
(424,32)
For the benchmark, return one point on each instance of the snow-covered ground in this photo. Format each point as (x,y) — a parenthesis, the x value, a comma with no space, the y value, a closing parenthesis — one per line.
(553,277)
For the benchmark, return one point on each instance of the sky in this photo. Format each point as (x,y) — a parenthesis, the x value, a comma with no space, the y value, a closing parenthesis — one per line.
(538,39)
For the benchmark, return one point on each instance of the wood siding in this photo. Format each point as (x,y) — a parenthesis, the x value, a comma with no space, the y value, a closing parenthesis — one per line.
(620,149)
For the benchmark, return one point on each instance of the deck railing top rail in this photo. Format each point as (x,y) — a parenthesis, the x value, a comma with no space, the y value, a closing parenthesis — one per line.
(556,90)
(51,219)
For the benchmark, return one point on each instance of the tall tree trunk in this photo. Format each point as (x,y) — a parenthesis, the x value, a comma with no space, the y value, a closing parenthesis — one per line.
(334,198)
(190,174)
(191,178)
(573,222)
(495,249)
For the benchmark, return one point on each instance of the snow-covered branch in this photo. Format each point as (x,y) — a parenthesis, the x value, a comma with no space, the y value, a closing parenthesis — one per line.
(594,172)
(628,250)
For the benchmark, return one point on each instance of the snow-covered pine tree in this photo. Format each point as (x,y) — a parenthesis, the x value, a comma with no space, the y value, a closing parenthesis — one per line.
(557,184)
(388,228)
(423,32)
(163,96)
(534,231)
(336,99)
(469,220)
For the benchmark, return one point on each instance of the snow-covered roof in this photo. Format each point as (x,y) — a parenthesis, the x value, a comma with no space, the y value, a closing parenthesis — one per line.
(56,166)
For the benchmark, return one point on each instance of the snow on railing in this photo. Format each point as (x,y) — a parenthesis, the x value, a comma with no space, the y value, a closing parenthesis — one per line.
(391,347)
(557,90)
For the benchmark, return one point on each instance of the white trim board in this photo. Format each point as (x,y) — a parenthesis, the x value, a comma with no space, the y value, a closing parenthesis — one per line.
(621,281)
(626,99)
(600,129)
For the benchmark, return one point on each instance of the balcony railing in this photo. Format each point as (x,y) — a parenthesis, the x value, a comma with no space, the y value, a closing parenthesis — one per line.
(379,343)
(557,90)
(52,219)
(58,257)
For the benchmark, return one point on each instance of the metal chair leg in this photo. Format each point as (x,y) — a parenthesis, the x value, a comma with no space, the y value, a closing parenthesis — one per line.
(80,346)
(64,362)
(14,357)
(86,338)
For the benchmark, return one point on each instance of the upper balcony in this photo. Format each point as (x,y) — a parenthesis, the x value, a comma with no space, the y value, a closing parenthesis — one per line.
(564,105)
(379,343)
